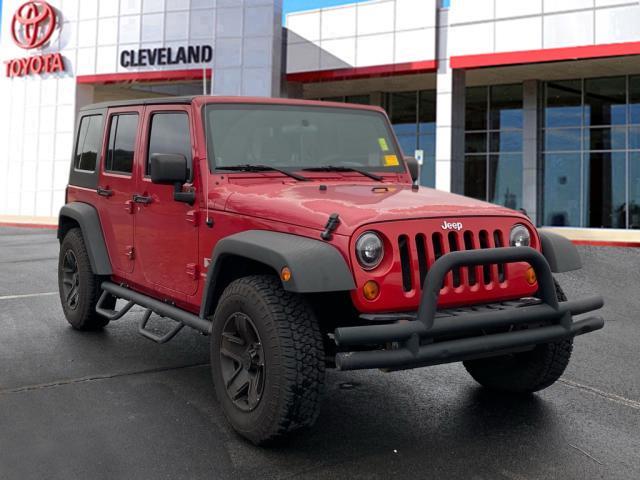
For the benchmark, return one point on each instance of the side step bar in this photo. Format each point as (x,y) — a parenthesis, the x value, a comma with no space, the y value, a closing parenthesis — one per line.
(152,306)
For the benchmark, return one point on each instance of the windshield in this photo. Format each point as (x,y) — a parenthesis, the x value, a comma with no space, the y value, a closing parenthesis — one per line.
(298,137)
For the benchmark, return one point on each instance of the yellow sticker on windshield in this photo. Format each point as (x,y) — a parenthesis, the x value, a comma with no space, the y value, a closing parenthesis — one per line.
(391,161)
(383,144)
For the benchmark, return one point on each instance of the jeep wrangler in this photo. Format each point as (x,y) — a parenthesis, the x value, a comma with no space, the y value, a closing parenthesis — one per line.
(292,233)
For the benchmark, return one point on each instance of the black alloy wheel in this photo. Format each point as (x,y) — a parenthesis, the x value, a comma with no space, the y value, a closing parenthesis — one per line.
(267,359)
(70,280)
(242,362)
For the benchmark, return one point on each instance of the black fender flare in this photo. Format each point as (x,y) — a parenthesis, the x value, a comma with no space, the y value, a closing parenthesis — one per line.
(316,266)
(561,254)
(87,217)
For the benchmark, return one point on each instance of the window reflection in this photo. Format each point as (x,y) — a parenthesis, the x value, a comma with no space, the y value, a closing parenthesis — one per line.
(506,107)
(493,144)
(563,104)
(634,189)
(591,173)
(505,180)
(413,116)
(476,108)
(605,200)
(562,190)
(608,138)
(562,139)
(475,176)
(605,101)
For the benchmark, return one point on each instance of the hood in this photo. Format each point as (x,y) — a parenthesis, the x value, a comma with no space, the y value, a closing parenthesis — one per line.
(307,205)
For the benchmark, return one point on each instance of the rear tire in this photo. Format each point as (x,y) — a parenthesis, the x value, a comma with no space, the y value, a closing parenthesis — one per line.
(267,359)
(79,287)
(525,372)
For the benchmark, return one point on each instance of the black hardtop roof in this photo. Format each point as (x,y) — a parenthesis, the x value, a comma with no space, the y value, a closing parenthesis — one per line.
(139,101)
(223,100)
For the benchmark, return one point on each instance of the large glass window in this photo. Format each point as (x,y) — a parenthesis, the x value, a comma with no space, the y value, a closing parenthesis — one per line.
(591,136)
(364,99)
(634,189)
(170,134)
(413,116)
(122,143)
(562,185)
(493,144)
(88,143)
(604,197)
(299,137)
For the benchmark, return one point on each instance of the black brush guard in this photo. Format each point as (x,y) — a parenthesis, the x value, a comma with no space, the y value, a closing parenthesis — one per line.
(413,335)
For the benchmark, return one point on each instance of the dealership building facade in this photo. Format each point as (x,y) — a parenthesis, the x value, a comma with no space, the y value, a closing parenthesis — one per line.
(530,104)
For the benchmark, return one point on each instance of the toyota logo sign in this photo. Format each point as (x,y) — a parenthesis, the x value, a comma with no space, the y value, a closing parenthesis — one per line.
(31,27)
(33,24)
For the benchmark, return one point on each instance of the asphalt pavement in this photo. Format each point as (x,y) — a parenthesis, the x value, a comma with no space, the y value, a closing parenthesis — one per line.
(112,404)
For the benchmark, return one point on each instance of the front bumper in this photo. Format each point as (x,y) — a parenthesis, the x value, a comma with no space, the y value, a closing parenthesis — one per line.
(429,337)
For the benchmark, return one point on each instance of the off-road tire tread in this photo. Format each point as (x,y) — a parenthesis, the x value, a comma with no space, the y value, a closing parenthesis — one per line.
(533,371)
(295,330)
(86,317)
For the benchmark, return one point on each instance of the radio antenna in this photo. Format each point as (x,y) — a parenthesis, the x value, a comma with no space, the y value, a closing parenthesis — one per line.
(208,220)
(207,166)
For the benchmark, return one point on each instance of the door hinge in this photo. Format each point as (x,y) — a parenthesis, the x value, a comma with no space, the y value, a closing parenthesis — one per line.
(130,252)
(129,206)
(193,216)
(192,270)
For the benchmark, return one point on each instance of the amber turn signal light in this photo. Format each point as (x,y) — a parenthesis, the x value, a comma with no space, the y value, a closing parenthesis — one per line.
(530,276)
(370,290)
(285,274)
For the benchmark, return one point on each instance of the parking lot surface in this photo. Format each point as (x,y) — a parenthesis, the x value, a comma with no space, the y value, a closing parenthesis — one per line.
(112,404)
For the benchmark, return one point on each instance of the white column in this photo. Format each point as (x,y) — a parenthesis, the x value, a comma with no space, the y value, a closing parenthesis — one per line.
(248,46)
(450,97)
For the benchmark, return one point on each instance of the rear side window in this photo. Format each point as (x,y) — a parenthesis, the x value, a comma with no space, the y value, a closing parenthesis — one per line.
(88,143)
(122,143)
(170,134)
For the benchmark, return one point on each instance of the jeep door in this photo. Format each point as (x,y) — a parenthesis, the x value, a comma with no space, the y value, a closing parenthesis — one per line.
(116,185)
(166,232)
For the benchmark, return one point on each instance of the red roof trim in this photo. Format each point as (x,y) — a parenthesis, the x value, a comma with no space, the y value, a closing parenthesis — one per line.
(545,55)
(426,66)
(155,76)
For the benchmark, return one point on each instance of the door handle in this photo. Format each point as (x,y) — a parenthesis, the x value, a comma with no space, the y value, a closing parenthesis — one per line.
(142,199)
(104,192)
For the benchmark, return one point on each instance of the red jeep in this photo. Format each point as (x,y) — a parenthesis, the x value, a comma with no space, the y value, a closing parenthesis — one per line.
(293,234)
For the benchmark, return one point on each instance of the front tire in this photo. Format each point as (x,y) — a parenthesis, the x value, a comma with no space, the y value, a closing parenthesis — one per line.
(79,287)
(525,372)
(267,359)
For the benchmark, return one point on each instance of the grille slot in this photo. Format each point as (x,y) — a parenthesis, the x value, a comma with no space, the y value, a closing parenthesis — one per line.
(453,247)
(468,245)
(437,245)
(405,261)
(438,252)
(486,269)
(497,239)
(421,247)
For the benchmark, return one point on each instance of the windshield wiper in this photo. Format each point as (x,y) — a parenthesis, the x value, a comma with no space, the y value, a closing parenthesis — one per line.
(332,168)
(263,168)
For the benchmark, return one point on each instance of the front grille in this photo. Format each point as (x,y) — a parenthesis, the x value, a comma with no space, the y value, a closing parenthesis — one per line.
(426,249)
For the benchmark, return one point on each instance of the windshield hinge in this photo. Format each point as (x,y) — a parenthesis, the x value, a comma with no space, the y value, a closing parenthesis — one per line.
(332,224)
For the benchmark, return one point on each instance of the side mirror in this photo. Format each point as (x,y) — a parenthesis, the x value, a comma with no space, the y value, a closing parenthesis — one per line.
(170,168)
(414,167)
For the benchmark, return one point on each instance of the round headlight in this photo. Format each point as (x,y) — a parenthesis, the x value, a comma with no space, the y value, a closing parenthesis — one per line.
(369,250)
(519,236)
